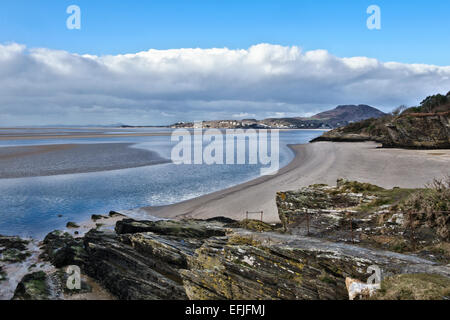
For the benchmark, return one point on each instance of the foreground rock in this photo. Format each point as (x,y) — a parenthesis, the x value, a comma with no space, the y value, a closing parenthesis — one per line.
(13,250)
(53,285)
(17,258)
(188,229)
(137,267)
(220,259)
(34,286)
(61,249)
(330,241)
(400,220)
(134,263)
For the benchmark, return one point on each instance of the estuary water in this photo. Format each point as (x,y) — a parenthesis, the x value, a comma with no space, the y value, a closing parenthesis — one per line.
(35,206)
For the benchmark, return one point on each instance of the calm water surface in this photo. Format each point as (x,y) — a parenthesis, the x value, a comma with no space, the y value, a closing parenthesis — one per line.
(30,207)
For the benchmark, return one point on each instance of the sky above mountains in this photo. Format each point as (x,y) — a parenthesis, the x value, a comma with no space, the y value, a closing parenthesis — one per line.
(258,59)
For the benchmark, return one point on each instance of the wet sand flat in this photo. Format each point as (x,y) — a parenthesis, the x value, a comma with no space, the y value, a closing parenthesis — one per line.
(8,136)
(79,136)
(322,162)
(46,160)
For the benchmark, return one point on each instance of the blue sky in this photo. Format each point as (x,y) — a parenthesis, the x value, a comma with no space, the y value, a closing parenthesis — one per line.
(412,31)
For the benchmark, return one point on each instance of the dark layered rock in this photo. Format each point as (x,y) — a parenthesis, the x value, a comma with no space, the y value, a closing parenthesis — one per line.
(113,214)
(61,249)
(3,275)
(323,207)
(134,263)
(13,250)
(96,217)
(13,243)
(338,135)
(48,286)
(245,270)
(292,268)
(137,267)
(223,220)
(72,225)
(188,228)
(423,131)
(34,286)
(177,261)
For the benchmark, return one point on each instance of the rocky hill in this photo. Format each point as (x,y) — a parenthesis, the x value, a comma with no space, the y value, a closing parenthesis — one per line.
(425,126)
(349,113)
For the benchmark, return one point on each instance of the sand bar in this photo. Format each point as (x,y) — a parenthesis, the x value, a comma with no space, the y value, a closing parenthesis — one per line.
(46,160)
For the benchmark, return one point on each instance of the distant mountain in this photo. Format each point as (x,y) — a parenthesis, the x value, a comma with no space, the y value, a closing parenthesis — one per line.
(350,113)
(338,117)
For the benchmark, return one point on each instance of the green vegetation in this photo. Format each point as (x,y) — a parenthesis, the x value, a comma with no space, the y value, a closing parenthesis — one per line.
(435,198)
(436,103)
(430,207)
(14,255)
(370,127)
(33,287)
(254,225)
(357,187)
(431,104)
(387,198)
(414,287)
(383,197)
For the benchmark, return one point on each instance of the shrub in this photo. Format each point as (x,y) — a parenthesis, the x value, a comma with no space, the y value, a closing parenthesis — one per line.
(431,207)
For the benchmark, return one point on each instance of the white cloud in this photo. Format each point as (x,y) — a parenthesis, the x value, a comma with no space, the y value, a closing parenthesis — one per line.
(243,115)
(42,86)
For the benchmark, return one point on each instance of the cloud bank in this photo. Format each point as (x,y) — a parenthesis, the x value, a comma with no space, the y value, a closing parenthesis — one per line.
(41,86)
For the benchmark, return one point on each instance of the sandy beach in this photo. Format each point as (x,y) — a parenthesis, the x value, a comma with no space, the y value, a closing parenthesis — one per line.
(323,162)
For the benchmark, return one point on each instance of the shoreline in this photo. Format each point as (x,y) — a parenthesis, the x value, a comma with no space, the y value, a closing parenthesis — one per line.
(314,163)
(88,135)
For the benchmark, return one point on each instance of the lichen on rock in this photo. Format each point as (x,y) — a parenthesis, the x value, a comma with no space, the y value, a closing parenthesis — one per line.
(33,286)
